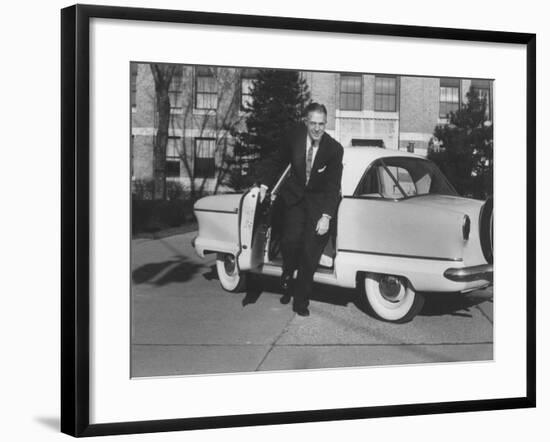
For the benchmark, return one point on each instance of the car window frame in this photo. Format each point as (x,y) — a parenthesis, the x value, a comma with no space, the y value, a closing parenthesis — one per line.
(379,161)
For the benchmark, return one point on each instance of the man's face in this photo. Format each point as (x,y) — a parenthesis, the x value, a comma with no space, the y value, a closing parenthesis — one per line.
(316,122)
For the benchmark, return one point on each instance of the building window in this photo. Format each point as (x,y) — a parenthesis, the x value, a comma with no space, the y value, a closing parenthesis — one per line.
(449,93)
(206,88)
(174,90)
(133,84)
(248,76)
(385,94)
(367,142)
(205,166)
(172,163)
(482,88)
(350,92)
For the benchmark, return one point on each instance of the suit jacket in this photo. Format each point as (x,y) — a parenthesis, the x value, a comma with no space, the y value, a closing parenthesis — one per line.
(322,191)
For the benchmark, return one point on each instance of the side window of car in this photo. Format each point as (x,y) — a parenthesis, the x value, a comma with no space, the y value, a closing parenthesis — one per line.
(370,185)
(424,184)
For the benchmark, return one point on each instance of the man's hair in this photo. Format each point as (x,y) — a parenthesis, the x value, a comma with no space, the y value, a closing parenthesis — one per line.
(315,107)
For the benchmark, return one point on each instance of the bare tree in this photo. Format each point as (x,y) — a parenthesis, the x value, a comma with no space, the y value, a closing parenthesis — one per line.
(217,124)
(162,74)
(213,123)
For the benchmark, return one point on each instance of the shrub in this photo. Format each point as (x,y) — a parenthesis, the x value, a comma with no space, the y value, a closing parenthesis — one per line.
(466,148)
(154,215)
(142,189)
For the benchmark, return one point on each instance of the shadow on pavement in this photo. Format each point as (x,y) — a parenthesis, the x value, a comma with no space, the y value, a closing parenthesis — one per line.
(333,295)
(437,304)
(211,274)
(179,269)
(255,285)
(258,284)
(254,289)
(454,304)
(321,293)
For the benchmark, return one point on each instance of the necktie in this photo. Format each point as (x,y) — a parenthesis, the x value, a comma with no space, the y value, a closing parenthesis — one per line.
(309,158)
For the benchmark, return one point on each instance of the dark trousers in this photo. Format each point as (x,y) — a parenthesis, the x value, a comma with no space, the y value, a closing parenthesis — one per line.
(301,247)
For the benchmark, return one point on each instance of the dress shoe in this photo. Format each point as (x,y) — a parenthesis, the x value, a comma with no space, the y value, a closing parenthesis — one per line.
(285,282)
(300,310)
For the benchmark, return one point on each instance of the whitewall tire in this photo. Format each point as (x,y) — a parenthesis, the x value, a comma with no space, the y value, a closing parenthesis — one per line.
(228,273)
(391,298)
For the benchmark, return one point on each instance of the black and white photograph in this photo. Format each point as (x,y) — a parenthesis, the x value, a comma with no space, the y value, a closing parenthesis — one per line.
(272,220)
(298,220)
(275,221)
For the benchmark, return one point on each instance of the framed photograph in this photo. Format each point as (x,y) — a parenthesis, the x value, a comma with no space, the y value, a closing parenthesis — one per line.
(261,208)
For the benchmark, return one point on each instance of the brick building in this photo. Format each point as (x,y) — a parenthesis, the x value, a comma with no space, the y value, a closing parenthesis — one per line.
(392,112)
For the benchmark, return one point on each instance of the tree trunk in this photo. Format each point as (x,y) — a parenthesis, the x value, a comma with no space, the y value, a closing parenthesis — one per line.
(163,76)
(161,141)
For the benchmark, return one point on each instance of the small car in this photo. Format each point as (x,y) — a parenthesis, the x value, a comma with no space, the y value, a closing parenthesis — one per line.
(401,230)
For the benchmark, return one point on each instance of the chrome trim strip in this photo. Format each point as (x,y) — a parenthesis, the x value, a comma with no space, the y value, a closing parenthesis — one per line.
(217,211)
(432,258)
(468,274)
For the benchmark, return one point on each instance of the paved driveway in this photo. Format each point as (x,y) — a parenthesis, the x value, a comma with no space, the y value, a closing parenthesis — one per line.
(184,323)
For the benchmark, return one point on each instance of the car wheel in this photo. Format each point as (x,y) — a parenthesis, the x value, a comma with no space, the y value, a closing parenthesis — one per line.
(231,279)
(392,298)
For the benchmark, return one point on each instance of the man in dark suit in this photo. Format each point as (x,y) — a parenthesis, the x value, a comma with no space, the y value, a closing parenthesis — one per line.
(310,198)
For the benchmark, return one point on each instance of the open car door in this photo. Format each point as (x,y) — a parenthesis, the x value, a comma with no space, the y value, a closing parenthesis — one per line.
(251,231)
(255,225)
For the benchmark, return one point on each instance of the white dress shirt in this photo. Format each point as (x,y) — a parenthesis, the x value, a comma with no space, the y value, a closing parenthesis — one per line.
(315,149)
(313,154)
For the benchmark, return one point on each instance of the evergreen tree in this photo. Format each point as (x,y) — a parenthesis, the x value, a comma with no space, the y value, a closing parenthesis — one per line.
(278,100)
(466,153)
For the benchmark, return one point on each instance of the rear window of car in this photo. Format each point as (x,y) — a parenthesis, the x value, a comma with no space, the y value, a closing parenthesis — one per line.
(403,177)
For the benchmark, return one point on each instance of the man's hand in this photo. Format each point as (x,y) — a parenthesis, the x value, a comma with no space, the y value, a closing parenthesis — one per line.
(322,225)
(263,191)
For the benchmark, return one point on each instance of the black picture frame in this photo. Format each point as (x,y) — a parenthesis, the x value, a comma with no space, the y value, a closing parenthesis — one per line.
(75,212)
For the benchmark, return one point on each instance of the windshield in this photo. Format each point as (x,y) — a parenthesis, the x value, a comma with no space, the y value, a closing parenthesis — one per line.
(403,177)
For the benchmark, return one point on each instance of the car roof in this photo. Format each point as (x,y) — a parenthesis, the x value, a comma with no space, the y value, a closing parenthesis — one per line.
(356,160)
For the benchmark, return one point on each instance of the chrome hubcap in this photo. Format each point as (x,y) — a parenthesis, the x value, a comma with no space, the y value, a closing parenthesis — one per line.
(229,264)
(391,288)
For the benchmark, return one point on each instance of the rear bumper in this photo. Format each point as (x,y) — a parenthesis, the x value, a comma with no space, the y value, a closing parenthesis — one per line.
(468,274)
